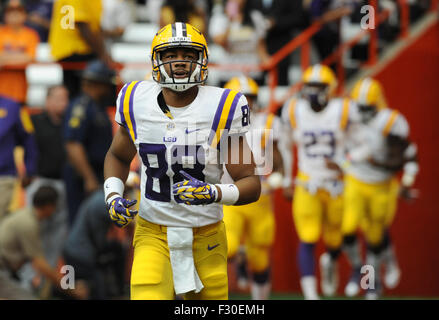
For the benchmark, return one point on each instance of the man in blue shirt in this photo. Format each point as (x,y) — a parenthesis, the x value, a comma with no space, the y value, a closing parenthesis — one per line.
(15,130)
(88,135)
(98,258)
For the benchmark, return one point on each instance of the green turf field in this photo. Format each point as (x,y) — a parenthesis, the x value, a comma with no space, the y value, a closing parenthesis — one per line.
(295,296)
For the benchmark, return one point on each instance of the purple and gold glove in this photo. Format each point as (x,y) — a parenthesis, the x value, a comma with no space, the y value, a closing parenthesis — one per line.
(193,191)
(119,212)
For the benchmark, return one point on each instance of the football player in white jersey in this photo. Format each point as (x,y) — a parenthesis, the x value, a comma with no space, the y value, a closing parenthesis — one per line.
(372,186)
(319,124)
(183,132)
(253,225)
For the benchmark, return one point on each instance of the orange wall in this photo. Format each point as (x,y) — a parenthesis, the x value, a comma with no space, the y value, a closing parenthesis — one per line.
(411,83)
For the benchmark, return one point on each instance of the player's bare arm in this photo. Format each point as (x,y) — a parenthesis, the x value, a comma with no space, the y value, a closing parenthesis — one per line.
(119,156)
(277,159)
(243,174)
(116,170)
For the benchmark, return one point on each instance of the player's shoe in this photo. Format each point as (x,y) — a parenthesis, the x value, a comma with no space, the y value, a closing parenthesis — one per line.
(353,287)
(328,275)
(392,276)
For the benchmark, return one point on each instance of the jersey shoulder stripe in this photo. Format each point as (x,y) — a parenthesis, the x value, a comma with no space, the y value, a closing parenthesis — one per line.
(268,125)
(292,113)
(389,124)
(345,114)
(126,106)
(223,116)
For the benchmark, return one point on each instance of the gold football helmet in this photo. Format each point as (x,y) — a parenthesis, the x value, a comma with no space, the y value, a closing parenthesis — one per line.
(247,86)
(243,84)
(369,96)
(319,85)
(179,35)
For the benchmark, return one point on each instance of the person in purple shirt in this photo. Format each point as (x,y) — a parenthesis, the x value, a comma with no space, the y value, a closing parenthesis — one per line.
(15,130)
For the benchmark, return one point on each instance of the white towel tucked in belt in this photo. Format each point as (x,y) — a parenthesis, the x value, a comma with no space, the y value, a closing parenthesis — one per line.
(182,260)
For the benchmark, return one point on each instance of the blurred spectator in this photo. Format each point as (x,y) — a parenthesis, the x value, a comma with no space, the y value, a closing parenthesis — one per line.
(39,15)
(20,241)
(51,161)
(75,36)
(284,18)
(115,18)
(240,30)
(88,134)
(48,133)
(15,130)
(327,12)
(97,259)
(190,11)
(18,45)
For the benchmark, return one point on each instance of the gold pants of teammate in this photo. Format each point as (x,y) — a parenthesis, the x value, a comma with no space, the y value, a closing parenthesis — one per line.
(252,224)
(370,207)
(318,214)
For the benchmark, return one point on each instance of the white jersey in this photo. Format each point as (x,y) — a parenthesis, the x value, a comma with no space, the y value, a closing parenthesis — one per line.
(264,130)
(191,142)
(319,136)
(374,133)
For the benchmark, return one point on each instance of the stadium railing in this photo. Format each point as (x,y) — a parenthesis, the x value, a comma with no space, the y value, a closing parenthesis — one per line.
(301,42)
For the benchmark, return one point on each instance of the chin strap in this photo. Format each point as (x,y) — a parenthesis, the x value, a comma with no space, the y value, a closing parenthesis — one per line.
(163,106)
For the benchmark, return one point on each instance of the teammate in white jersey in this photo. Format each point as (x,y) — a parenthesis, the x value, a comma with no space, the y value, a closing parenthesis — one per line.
(183,132)
(319,124)
(372,186)
(250,228)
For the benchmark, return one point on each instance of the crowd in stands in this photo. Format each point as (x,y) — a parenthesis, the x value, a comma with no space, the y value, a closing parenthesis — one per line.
(65,144)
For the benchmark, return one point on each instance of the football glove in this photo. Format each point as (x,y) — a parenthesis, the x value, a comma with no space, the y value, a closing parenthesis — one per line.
(119,212)
(193,191)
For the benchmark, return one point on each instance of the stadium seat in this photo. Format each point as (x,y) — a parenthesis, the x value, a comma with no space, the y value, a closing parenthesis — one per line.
(140,32)
(36,96)
(39,78)
(44,74)
(43,53)
(129,52)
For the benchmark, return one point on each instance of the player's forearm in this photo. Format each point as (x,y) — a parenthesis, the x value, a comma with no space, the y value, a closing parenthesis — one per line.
(410,172)
(249,190)
(287,160)
(117,164)
(277,159)
(411,166)
(114,167)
